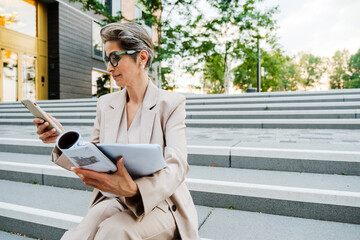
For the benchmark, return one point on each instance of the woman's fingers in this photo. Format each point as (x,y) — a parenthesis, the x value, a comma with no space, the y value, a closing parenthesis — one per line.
(38,121)
(55,121)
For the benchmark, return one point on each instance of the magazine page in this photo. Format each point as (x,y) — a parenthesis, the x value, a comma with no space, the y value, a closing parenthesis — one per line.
(83,154)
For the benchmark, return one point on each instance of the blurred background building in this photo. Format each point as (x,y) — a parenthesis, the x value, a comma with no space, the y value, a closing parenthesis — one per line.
(51,49)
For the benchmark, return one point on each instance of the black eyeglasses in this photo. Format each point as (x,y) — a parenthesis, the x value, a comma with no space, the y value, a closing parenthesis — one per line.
(113,58)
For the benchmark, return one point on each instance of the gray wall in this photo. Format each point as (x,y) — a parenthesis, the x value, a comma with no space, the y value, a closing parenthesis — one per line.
(70,53)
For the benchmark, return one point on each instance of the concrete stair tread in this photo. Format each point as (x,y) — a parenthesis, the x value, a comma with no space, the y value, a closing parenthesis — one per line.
(277,178)
(236,224)
(316,188)
(69,201)
(270,106)
(216,223)
(26,158)
(326,98)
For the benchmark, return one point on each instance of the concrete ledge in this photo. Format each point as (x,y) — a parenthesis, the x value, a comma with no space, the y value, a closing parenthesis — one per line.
(64,122)
(274,114)
(292,99)
(209,156)
(296,160)
(299,209)
(275,123)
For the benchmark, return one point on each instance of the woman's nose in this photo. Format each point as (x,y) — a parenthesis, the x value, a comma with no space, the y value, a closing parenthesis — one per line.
(109,68)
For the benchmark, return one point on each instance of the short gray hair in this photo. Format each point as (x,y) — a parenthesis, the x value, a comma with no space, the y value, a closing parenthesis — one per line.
(130,36)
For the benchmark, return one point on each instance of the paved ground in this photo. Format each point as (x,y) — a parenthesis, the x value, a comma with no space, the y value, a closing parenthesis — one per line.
(331,139)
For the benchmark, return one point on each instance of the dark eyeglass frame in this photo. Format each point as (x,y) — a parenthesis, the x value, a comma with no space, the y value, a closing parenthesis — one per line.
(117,54)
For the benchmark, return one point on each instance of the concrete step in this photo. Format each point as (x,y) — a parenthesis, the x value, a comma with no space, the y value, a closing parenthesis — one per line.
(275,123)
(46,212)
(289,114)
(301,99)
(64,115)
(77,108)
(274,114)
(302,159)
(274,94)
(259,100)
(275,106)
(234,224)
(226,123)
(306,195)
(221,96)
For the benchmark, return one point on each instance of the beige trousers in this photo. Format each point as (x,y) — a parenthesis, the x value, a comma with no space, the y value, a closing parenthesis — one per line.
(108,220)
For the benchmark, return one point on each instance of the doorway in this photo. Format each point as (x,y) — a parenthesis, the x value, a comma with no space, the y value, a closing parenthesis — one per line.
(17,76)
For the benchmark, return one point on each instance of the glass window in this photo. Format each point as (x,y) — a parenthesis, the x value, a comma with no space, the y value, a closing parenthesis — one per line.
(19,16)
(116,7)
(96,41)
(100,83)
(10,76)
(28,83)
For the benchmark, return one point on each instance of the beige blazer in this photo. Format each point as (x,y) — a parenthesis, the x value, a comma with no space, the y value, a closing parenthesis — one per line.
(162,122)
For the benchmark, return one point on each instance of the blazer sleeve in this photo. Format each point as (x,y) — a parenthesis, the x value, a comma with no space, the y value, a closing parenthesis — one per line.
(60,159)
(161,185)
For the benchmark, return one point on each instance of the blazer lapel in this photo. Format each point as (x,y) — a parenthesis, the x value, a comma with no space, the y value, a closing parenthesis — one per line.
(147,113)
(113,117)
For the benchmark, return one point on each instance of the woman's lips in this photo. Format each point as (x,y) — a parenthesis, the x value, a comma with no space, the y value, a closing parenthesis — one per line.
(116,76)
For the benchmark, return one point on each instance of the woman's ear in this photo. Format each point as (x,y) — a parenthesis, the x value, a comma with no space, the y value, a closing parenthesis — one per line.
(143,57)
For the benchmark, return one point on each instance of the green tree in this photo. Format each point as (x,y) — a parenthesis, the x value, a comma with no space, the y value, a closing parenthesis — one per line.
(352,80)
(278,72)
(338,68)
(102,84)
(157,13)
(232,34)
(311,68)
(213,72)
(291,78)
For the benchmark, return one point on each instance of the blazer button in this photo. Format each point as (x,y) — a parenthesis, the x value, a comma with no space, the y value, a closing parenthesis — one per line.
(173,208)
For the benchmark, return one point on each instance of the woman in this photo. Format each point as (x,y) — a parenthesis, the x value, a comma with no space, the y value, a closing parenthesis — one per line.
(152,207)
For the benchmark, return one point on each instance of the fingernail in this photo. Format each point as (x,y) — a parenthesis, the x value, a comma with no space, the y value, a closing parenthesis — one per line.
(81,176)
(72,168)
(42,121)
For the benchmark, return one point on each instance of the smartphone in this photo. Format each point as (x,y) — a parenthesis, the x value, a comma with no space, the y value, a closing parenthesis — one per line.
(32,106)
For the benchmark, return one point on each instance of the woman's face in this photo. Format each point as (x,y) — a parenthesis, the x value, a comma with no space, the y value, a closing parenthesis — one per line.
(127,71)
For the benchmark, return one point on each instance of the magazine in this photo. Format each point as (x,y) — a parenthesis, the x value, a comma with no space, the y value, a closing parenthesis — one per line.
(139,159)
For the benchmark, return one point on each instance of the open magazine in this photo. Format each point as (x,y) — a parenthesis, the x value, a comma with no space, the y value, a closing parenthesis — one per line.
(139,159)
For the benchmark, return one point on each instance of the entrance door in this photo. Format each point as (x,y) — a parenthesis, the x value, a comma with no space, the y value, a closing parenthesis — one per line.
(9,80)
(17,76)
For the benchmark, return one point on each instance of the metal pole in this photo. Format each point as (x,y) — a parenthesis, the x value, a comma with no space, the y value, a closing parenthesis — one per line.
(258,65)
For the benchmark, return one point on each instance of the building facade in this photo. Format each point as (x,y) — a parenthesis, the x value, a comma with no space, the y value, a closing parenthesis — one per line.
(51,49)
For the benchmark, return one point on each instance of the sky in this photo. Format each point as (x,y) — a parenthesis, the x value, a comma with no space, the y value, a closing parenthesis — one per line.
(318,26)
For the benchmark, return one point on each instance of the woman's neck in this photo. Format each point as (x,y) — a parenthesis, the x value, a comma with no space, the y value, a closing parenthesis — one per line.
(136,92)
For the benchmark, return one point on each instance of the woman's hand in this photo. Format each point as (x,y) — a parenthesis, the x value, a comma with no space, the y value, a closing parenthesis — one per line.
(47,136)
(119,183)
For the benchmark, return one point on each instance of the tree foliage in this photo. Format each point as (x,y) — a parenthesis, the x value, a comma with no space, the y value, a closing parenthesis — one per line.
(338,68)
(352,80)
(311,69)
(213,73)
(167,34)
